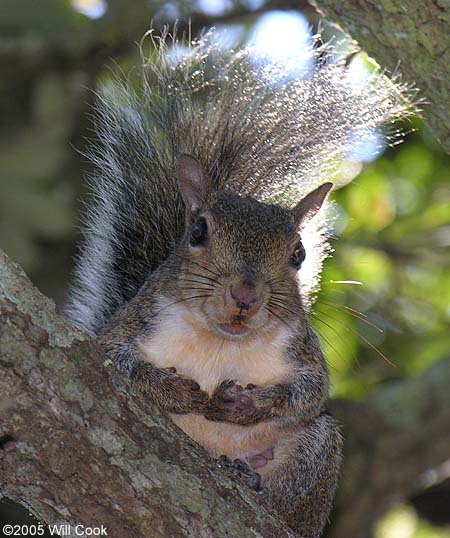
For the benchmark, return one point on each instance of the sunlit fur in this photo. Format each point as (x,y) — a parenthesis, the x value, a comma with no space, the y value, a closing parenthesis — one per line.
(255,130)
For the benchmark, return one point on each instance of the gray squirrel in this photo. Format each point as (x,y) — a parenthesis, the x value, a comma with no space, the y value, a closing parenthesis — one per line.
(204,246)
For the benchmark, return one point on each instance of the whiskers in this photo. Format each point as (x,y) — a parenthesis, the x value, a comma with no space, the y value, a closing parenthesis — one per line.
(211,268)
(204,278)
(195,284)
(335,322)
(355,313)
(178,301)
(283,305)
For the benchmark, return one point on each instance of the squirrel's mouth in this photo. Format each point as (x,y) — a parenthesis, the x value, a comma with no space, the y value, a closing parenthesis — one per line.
(236,328)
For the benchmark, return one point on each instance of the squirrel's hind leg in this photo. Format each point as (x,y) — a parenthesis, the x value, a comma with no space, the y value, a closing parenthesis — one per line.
(242,470)
(302,478)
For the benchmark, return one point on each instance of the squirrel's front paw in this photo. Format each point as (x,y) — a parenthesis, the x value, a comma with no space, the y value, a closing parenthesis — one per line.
(170,391)
(233,403)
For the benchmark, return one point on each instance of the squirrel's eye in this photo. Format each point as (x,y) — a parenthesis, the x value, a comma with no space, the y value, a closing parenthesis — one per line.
(298,256)
(199,232)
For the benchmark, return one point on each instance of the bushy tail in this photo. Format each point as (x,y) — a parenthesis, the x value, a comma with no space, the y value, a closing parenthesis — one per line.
(255,130)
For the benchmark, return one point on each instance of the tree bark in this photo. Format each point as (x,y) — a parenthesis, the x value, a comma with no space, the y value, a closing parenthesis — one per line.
(78,446)
(411,35)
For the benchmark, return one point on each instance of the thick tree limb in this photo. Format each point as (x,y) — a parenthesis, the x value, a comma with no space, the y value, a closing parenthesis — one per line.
(80,447)
(411,35)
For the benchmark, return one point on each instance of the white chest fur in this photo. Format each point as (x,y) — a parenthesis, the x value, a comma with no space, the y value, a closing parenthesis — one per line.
(197,353)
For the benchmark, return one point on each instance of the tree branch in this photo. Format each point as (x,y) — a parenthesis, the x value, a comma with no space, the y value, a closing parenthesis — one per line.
(411,35)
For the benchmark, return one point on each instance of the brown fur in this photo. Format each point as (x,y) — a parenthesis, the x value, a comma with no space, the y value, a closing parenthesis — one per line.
(258,397)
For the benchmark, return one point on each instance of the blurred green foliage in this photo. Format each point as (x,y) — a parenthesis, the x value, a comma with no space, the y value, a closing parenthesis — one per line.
(395,239)
(31,204)
(402,522)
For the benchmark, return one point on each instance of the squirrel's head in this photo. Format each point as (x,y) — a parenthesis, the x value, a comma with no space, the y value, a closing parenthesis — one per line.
(241,258)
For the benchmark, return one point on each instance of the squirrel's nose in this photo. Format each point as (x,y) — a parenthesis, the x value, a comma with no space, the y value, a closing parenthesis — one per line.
(244,296)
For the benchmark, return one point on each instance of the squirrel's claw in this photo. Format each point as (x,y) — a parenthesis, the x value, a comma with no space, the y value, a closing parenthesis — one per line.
(233,403)
(242,470)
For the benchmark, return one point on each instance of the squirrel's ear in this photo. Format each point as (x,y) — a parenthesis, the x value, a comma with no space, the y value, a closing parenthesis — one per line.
(310,204)
(193,183)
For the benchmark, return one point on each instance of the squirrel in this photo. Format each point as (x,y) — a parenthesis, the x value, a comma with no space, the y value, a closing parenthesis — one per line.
(204,246)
